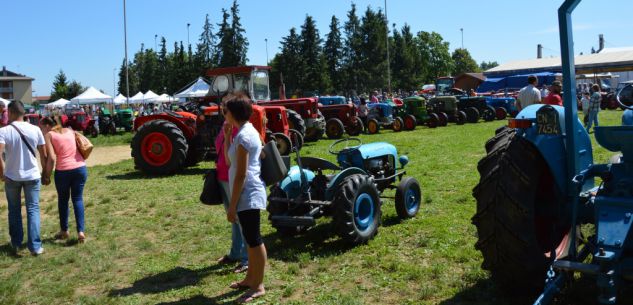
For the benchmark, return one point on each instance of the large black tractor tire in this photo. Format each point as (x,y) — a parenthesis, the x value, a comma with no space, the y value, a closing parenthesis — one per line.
(410,122)
(501,113)
(282,209)
(159,148)
(488,114)
(472,115)
(408,198)
(356,128)
(434,120)
(397,124)
(112,128)
(443,119)
(296,122)
(372,126)
(520,217)
(296,138)
(334,128)
(284,144)
(460,118)
(314,134)
(357,209)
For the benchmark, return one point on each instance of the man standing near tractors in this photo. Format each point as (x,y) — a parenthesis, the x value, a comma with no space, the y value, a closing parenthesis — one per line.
(554,98)
(529,94)
(594,106)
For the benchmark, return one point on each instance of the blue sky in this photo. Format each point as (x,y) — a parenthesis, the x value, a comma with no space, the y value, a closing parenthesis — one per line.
(85,38)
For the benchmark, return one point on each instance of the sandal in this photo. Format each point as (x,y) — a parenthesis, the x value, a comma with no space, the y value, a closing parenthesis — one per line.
(225,260)
(240,268)
(238,286)
(81,237)
(250,296)
(62,235)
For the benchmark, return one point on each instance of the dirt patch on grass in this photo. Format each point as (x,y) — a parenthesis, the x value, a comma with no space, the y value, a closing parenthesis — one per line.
(108,155)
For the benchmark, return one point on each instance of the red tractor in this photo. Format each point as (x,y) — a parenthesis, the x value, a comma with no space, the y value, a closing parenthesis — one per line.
(167,142)
(302,114)
(78,120)
(340,117)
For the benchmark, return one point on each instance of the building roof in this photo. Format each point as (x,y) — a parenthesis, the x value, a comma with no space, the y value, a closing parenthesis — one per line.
(42,98)
(9,75)
(609,60)
(479,76)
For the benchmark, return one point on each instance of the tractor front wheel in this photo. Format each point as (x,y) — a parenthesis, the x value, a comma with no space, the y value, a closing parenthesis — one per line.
(357,213)
(522,217)
(397,124)
(443,119)
(159,148)
(501,113)
(460,118)
(488,114)
(334,128)
(356,127)
(434,120)
(295,121)
(372,126)
(284,145)
(472,114)
(408,198)
(410,122)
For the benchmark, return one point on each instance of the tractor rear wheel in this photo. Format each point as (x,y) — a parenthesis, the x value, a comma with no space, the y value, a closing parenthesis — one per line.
(334,128)
(472,115)
(112,128)
(434,120)
(488,114)
(372,126)
(313,134)
(521,217)
(357,213)
(159,148)
(408,198)
(296,139)
(443,118)
(460,118)
(410,122)
(501,113)
(275,208)
(356,127)
(283,143)
(295,121)
(397,124)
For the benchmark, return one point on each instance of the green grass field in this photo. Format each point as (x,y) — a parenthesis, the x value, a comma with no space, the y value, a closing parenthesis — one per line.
(151,242)
(121,138)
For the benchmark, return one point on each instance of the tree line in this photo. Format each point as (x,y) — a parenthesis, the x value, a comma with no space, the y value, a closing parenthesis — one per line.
(351,56)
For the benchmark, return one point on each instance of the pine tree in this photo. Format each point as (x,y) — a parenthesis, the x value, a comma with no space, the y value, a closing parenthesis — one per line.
(463,62)
(74,89)
(60,87)
(240,42)
(333,53)
(314,77)
(373,50)
(225,38)
(202,59)
(405,60)
(289,63)
(351,54)
(163,66)
(488,65)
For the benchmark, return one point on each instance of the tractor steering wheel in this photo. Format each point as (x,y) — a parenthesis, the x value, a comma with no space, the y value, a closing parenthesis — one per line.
(628,100)
(347,146)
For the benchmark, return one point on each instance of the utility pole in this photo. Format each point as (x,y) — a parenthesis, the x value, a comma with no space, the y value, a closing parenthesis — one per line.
(113,82)
(188,43)
(462,30)
(388,60)
(127,70)
(267,61)
(155,45)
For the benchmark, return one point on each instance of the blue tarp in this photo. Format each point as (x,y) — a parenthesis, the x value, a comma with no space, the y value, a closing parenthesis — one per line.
(515,81)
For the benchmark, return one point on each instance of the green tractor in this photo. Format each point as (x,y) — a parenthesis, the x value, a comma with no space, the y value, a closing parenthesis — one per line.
(124,118)
(446,108)
(413,112)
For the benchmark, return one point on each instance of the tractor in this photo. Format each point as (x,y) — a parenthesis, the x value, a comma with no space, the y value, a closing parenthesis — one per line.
(381,114)
(284,137)
(124,118)
(351,195)
(78,120)
(340,116)
(446,110)
(302,113)
(167,142)
(106,122)
(540,220)
(476,107)
(503,106)
(413,112)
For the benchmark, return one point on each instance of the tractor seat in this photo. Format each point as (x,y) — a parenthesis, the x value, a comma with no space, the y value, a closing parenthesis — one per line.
(616,138)
(315,164)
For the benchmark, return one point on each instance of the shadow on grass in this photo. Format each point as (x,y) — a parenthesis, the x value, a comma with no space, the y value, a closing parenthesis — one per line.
(202,300)
(138,175)
(485,292)
(176,278)
(7,250)
(319,241)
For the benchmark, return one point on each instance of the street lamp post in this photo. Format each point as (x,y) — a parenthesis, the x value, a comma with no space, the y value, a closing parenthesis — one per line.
(388,60)
(127,70)
(462,30)
(267,61)
(188,25)
(113,82)
(155,45)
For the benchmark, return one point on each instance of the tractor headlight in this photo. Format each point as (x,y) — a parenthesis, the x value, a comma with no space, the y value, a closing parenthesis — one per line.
(404,160)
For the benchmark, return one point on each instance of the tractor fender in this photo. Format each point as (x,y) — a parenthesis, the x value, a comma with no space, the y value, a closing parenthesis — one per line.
(336,180)
(552,147)
(291,184)
(187,129)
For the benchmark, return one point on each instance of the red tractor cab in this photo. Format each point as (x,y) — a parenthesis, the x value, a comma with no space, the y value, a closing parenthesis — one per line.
(340,117)
(78,120)
(302,114)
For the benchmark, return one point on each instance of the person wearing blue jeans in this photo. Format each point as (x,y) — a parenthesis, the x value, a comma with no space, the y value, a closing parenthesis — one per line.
(71,182)
(238,247)
(19,141)
(594,106)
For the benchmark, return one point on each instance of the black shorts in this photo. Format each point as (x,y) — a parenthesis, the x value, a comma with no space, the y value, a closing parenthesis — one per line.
(250,221)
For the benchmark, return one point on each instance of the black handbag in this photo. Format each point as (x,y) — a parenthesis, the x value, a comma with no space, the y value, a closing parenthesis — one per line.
(211,193)
(274,168)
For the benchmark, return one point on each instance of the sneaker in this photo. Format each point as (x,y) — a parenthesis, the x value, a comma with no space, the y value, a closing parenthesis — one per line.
(38,251)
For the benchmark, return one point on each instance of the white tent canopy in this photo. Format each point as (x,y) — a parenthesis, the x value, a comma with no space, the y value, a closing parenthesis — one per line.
(199,88)
(5,102)
(92,96)
(164,98)
(137,98)
(60,103)
(149,97)
(119,99)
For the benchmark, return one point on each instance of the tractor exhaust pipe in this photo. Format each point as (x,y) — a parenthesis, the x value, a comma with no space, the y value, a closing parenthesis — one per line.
(282,87)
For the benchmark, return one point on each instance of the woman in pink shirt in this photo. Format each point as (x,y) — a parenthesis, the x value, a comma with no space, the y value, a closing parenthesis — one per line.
(70,173)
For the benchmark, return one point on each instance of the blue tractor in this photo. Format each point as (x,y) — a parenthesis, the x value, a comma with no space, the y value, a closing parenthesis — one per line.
(536,197)
(350,193)
(381,115)
(503,106)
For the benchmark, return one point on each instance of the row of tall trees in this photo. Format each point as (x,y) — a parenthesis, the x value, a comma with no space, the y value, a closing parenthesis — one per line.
(62,88)
(353,56)
(168,71)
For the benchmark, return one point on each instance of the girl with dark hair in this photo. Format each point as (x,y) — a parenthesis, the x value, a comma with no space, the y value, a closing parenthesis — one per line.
(248,192)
